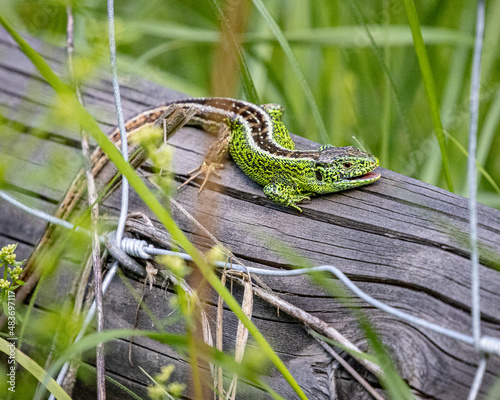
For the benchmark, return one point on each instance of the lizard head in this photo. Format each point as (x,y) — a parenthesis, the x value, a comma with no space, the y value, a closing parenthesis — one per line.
(341,168)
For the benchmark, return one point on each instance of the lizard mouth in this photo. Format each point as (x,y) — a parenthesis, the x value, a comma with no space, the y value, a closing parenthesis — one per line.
(369,177)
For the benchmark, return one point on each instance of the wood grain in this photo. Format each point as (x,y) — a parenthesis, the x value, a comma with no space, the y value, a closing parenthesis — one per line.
(401,240)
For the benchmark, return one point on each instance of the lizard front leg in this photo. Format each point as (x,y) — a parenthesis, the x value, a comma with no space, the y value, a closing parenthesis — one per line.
(214,159)
(285,194)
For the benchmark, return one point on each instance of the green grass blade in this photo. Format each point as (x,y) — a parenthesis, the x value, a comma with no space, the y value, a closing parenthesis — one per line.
(491,39)
(488,130)
(131,65)
(338,36)
(174,31)
(177,341)
(453,88)
(389,82)
(275,29)
(430,87)
(88,123)
(356,36)
(458,66)
(391,381)
(386,115)
(34,369)
(480,168)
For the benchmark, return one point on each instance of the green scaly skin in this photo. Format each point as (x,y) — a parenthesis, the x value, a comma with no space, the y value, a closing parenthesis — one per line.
(261,146)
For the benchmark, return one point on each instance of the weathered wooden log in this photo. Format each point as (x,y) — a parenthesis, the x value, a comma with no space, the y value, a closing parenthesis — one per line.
(402,241)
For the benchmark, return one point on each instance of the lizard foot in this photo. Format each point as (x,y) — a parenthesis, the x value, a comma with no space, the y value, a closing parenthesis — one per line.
(285,194)
(214,159)
(206,168)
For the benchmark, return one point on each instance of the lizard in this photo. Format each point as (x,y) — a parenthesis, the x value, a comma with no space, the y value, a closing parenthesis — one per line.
(257,140)
(261,146)
(259,143)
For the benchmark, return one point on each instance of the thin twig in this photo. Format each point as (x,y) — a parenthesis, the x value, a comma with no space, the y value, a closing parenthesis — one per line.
(94,216)
(136,321)
(242,331)
(219,381)
(318,325)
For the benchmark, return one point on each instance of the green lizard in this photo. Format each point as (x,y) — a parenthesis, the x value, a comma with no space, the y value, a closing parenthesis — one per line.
(261,146)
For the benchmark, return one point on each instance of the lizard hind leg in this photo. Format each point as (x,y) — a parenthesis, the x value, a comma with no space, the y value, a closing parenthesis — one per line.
(279,133)
(285,194)
(213,161)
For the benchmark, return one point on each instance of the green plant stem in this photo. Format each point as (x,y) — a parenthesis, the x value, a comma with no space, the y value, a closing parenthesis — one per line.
(430,87)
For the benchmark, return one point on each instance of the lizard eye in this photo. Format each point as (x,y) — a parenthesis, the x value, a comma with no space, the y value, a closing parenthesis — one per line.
(347,165)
